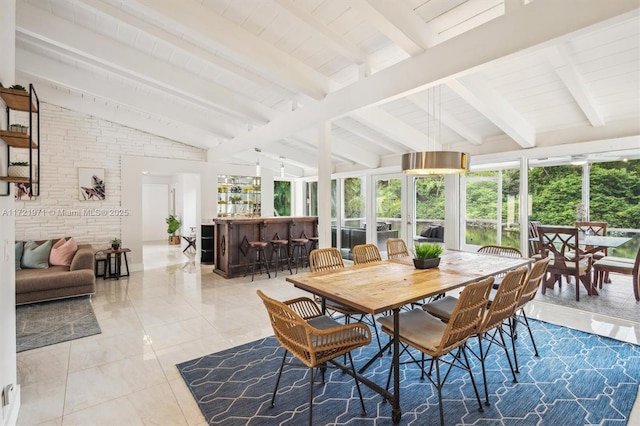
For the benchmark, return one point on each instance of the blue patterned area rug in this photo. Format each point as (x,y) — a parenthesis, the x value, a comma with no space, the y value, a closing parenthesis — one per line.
(579,379)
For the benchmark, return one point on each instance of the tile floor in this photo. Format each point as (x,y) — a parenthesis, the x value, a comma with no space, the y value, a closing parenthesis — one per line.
(174,311)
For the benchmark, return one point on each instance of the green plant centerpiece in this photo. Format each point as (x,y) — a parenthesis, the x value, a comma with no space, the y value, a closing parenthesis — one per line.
(427,255)
(18,87)
(115,243)
(173,224)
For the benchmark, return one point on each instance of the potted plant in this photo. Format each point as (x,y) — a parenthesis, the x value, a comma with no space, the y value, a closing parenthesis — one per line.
(427,255)
(18,87)
(115,243)
(173,224)
(18,128)
(18,169)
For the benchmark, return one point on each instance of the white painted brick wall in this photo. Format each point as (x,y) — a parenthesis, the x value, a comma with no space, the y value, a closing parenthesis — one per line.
(71,140)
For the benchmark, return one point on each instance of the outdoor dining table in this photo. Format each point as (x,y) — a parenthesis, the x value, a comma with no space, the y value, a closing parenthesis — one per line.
(595,243)
(389,285)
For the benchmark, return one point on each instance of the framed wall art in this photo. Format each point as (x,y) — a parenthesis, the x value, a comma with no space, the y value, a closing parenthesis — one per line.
(91,184)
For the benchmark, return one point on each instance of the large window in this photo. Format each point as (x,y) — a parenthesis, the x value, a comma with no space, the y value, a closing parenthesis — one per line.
(493,208)
(556,194)
(429,201)
(282,197)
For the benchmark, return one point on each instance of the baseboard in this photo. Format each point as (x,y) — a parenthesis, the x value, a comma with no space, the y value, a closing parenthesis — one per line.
(11,414)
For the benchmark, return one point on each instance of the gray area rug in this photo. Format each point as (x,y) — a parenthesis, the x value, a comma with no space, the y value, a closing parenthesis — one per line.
(615,299)
(48,323)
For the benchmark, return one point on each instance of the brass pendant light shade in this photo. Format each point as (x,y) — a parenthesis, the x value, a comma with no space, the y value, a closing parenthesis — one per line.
(435,162)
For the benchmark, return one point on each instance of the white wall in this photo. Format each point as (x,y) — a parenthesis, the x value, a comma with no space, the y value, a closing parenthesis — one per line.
(70,140)
(155,209)
(8,369)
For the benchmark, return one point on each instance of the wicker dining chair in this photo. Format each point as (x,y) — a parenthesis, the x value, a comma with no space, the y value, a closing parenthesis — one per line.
(396,248)
(314,339)
(502,308)
(435,339)
(326,259)
(366,253)
(529,289)
(500,251)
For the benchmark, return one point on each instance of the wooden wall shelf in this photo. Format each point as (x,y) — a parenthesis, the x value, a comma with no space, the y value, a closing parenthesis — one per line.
(16,179)
(17,99)
(17,139)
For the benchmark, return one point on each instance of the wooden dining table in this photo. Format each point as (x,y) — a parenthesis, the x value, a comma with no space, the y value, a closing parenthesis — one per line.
(389,285)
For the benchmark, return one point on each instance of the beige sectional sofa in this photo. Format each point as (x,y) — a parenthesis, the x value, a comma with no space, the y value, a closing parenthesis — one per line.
(56,282)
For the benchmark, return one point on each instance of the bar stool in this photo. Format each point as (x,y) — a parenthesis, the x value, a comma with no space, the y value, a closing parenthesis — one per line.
(314,242)
(301,245)
(277,245)
(256,249)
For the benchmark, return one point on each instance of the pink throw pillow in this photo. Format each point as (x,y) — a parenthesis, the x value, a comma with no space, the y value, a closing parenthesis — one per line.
(62,252)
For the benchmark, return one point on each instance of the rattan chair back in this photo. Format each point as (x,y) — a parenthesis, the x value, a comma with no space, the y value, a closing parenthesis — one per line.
(466,316)
(500,251)
(325,259)
(366,253)
(532,282)
(312,346)
(396,248)
(503,305)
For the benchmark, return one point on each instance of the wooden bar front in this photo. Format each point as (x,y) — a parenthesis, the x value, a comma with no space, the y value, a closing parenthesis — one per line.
(232,236)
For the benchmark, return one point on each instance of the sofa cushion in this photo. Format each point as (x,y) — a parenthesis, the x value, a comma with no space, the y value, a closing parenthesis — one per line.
(62,252)
(19,246)
(35,256)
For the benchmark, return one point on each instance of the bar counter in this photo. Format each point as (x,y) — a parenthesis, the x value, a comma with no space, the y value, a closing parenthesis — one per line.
(233,234)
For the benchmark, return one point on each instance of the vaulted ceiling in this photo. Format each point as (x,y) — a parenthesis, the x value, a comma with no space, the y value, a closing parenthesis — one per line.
(391,76)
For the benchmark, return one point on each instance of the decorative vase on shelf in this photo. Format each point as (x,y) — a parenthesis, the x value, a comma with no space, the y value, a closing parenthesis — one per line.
(426,263)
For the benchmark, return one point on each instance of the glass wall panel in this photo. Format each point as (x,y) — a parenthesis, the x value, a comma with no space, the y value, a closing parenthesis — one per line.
(429,202)
(556,194)
(482,200)
(388,210)
(282,197)
(493,208)
(311,204)
(614,189)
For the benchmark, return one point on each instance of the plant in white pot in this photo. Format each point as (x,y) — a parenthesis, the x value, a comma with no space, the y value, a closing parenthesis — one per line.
(426,255)
(18,169)
(18,128)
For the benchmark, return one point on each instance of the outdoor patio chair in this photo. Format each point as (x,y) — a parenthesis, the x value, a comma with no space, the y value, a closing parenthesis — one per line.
(314,339)
(620,265)
(435,339)
(560,243)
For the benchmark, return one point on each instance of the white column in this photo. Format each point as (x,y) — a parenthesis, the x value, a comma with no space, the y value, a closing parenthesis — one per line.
(524,206)
(324,184)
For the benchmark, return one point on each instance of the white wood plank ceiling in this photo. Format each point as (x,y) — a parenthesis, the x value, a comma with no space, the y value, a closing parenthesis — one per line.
(392,76)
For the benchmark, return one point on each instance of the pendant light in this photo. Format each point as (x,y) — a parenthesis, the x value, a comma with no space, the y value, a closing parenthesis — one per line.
(281,167)
(434,162)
